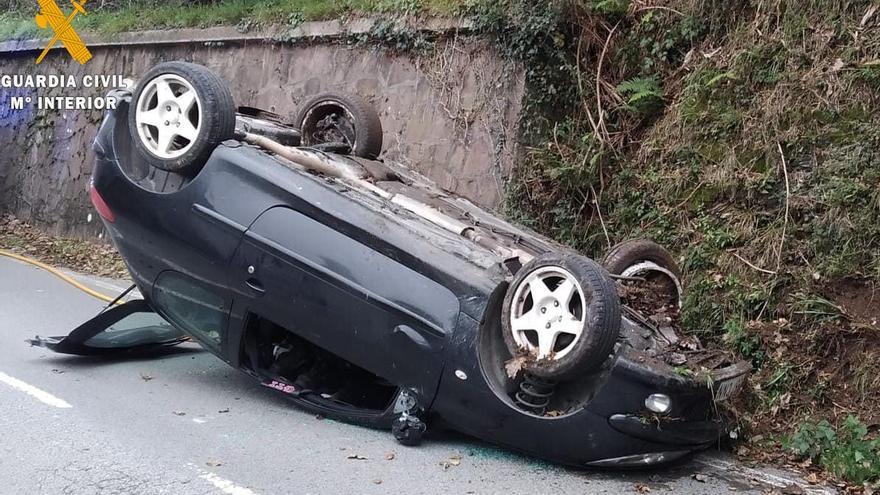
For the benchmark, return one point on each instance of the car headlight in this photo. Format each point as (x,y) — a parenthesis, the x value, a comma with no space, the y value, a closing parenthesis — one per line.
(658,403)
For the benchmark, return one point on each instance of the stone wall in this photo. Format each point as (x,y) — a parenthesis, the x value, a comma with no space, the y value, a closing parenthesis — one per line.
(450,113)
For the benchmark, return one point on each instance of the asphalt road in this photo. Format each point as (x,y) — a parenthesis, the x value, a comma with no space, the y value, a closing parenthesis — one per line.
(186,423)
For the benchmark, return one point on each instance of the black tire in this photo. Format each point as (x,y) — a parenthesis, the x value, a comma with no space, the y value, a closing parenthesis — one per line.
(361,128)
(217,122)
(631,252)
(601,325)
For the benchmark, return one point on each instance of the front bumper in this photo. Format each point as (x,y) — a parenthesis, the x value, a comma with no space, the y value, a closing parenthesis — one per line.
(688,434)
(641,460)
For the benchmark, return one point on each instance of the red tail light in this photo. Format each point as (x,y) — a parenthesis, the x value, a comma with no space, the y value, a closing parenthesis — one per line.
(101,205)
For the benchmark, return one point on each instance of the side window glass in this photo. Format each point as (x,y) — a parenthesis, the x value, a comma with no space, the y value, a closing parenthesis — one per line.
(193,306)
(135,330)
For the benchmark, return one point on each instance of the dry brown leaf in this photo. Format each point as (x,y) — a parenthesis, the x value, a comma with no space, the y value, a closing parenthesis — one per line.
(515,365)
(454,460)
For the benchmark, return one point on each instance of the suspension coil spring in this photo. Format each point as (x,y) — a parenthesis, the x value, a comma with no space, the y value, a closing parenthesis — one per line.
(534,393)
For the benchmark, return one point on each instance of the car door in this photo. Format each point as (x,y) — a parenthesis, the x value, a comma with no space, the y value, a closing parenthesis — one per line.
(130,327)
(346,297)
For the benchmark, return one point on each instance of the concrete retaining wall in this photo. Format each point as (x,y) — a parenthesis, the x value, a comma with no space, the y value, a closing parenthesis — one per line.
(451,113)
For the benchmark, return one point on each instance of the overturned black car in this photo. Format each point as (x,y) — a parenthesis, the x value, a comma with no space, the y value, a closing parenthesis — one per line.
(363,292)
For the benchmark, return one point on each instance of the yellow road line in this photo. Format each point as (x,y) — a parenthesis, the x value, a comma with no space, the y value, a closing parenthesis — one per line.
(60,275)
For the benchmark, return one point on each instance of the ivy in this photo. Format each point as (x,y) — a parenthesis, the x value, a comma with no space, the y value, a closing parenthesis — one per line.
(537,37)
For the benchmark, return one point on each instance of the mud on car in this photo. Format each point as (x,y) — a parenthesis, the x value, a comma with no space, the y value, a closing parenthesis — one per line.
(360,290)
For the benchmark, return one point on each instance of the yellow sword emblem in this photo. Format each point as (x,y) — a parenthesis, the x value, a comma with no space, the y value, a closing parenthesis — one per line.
(50,16)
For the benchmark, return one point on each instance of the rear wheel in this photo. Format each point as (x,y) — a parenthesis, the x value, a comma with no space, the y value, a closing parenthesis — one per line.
(562,313)
(180,112)
(337,118)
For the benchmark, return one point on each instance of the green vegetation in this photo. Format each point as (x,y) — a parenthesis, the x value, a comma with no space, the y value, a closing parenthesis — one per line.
(846,452)
(116,17)
(743,136)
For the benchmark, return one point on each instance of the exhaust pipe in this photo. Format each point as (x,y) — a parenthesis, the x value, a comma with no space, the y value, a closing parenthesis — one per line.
(320,163)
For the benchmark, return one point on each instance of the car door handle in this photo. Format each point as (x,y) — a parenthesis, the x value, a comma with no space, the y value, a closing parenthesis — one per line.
(255,285)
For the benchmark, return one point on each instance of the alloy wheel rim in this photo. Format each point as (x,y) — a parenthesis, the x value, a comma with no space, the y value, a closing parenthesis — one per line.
(548,316)
(168,116)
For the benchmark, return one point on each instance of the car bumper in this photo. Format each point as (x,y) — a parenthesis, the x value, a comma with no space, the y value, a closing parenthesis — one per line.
(641,460)
(675,439)
(668,432)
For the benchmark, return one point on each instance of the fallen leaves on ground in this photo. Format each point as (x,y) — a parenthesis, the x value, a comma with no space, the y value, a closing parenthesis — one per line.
(454,460)
(390,456)
(357,457)
(85,256)
(793,490)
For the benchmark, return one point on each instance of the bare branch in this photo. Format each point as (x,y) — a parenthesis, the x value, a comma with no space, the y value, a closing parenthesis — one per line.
(762,270)
(787,201)
(601,116)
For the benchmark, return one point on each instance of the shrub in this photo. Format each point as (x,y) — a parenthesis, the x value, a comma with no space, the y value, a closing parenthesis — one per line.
(846,452)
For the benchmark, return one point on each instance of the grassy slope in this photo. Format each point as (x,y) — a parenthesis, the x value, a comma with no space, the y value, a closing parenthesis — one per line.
(177,14)
(743,135)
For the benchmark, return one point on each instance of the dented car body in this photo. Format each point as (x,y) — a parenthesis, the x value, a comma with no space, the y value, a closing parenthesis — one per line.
(355,306)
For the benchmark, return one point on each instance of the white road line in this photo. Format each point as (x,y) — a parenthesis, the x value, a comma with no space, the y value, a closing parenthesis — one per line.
(225,485)
(40,395)
(222,484)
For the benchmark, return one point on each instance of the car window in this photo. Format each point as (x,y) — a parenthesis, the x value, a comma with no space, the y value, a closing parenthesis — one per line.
(193,306)
(119,329)
(134,330)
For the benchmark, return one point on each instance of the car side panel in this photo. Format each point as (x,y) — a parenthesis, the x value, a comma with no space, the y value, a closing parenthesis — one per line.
(346,298)
(347,263)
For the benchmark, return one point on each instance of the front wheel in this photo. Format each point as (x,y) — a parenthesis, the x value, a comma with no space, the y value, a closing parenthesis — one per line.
(562,313)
